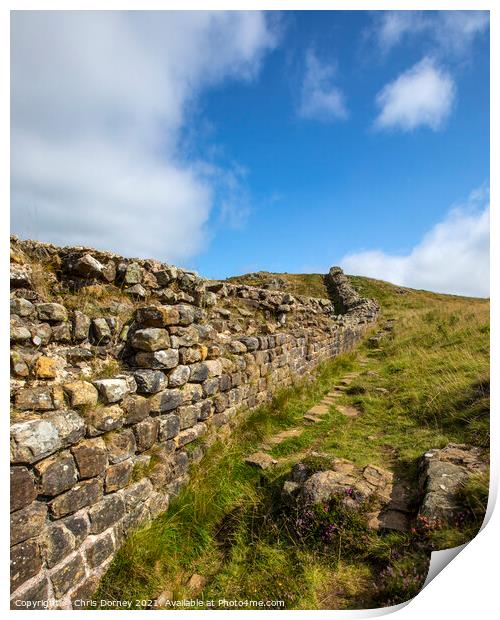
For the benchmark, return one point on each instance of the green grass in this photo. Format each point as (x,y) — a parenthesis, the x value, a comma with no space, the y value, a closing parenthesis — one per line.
(427,384)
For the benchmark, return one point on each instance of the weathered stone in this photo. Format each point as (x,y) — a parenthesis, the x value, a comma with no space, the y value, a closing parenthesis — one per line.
(179,376)
(157,316)
(112,390)
(41,334)
(78,525)
(137,291)
(191,393)
(118,476)
(32,440)
(120,445)
(17,365)
(101,331)
(81,326)
(81,393)
(150,381)
(27,522)
(75,355)
(210,387)
(184,336)
(32,596)
(61,333)
(165,276)
(58,543)
(35,399)
(69,425)
(83,494)
(87,266)
(165,359)
(19,333)
(21,307)
(237,347)
(22,488)
(106,513)
(251,344)
(186,314)
(146,433)
(131,273)
(151,339)
(57,474)
(91,457)
(138,492)
(199,372)
(260,460)
(20,276)
(169,426)
(81,596)
(189,355)
(322,486)
(136,408)
(190,434)
(107,418)
(100,550)
(51,312)
(65,577)
(206,410)
(188,415)
(166,400)
(25,562)
(45,368)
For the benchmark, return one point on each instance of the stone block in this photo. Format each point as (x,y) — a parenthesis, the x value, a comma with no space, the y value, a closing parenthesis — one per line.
(27,522)
(150,339)
(25,562)
(56,474)
(81,393)
(51,312)
(22,488)
(58,543)
(107,418)
(118,476)
(106,513)
(85,493)
(169,426)
(99,550)
(146,433)
(91,457)
(120,445)
(112,390)
(65,577)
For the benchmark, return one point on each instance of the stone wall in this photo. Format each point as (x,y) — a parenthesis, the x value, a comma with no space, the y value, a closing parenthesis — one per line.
(123,372)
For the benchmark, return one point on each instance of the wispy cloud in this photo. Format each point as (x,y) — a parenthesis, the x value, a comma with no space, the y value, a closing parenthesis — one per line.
(421,96)
(99,101)
(453,257)
(450,32)
(320,98)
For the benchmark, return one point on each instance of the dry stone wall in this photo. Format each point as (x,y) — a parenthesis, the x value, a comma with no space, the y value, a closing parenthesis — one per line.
(123,372)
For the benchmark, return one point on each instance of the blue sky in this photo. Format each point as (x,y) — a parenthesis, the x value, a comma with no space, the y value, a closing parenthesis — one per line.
(259,141)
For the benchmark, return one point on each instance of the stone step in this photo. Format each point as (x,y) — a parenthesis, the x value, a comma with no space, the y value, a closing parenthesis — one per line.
(260,460)
(312,418)
(348,410)
(318,410)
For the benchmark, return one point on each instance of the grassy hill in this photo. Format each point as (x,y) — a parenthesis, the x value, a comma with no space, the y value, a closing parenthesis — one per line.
(419,385)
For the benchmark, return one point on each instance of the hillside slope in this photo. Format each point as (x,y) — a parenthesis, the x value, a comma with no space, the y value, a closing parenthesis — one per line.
(419,383)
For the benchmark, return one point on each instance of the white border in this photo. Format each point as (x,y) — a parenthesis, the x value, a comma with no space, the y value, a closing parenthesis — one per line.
(467,588)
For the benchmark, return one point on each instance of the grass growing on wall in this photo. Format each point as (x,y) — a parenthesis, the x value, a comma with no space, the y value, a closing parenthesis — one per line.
(426,384)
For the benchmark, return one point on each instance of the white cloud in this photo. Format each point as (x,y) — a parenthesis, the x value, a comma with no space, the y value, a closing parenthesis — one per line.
(450,32)
(99,101)
(320,98)
(453,257)
(421,96)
